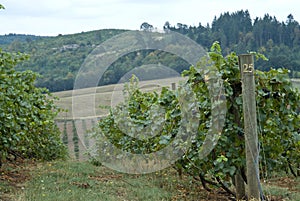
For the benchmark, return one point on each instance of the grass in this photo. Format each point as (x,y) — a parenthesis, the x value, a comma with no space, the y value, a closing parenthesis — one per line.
(5,190)
(284,188)
(74,181)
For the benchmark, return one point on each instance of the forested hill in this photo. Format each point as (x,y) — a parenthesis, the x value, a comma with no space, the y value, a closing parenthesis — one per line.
(58,58)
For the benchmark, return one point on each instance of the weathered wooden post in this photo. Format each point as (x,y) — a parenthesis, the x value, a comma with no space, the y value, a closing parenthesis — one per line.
(173,85)
(246,65)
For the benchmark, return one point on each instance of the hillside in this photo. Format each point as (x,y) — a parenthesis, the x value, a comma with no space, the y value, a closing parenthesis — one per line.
(59,58)
(9,38)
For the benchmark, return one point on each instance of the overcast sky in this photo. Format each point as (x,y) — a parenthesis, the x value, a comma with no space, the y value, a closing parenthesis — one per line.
(53,17)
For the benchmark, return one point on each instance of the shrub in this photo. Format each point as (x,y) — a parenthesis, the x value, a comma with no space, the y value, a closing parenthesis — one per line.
(27,126)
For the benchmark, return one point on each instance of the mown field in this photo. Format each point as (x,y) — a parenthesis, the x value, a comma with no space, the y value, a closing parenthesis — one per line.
(104,96)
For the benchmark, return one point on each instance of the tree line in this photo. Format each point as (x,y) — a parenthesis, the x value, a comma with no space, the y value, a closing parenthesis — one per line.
(59,58)
(279,41)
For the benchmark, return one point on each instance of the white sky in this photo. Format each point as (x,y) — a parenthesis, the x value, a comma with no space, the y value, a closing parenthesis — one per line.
(53,17)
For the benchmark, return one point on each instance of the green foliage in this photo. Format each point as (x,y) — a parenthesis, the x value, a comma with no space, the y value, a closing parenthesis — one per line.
(27,126)
(145,110)
(228,155)
(277,102)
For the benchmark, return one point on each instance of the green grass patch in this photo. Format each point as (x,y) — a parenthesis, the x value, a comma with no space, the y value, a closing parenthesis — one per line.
(70,180)
(74,180)
(6,190)
(283,188)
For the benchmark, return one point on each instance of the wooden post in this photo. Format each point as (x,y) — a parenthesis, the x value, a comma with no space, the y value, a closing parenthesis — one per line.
(246,65)
(173,86)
